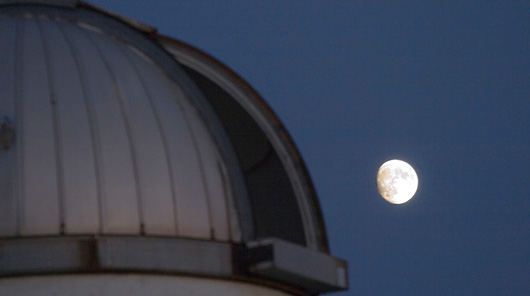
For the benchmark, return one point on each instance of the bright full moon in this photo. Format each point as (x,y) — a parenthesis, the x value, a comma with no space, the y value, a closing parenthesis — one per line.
(397,181)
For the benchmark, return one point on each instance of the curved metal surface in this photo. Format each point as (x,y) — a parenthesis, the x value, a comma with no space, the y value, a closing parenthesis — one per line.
(117,156)
(108,142)
(125,141)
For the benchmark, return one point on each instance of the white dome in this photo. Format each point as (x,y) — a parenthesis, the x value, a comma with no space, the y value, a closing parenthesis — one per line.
(107,128)
(125,151)
(105,141)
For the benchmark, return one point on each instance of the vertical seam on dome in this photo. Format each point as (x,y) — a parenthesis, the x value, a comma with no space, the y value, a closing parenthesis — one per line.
(8,115)
(19,52)
(228,206)
(91,117)
(56,127)
(200,162)
(127,129)
(162,135)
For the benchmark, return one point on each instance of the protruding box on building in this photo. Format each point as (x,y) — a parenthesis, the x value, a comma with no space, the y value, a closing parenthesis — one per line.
(313,271)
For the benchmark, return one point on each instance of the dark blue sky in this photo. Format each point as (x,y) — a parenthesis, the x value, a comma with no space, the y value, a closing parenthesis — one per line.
(443,85)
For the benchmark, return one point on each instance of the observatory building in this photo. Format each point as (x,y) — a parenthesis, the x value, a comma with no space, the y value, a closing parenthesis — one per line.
(134,164)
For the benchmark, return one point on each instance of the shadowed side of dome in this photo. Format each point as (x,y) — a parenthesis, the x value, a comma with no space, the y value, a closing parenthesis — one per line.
(282,199)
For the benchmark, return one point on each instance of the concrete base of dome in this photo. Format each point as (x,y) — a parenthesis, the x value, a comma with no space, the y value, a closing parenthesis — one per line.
(127,285)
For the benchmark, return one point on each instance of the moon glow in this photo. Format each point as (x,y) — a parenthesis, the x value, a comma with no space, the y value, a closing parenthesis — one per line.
(397,181)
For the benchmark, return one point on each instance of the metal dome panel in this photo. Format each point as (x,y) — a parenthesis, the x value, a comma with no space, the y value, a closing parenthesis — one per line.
(106,141)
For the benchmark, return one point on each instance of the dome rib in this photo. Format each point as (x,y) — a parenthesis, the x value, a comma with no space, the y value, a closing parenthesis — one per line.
(120,98)
(40,202)
(115,163)
(117,203)
(55,119)
(92,127)
(163,136)
(9,206)
(182,153)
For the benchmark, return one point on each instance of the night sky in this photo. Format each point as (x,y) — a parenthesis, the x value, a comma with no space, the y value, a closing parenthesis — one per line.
(443,85)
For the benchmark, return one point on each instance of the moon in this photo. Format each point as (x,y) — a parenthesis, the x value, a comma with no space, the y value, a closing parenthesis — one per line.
(397,181)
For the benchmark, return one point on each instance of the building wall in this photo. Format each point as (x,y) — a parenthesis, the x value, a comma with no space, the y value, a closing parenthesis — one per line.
(127,285)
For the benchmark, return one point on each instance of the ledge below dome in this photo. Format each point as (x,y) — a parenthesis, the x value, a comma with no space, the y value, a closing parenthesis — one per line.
(270,262)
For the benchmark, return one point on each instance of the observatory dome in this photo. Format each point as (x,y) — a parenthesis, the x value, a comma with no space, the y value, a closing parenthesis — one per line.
(113,137)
